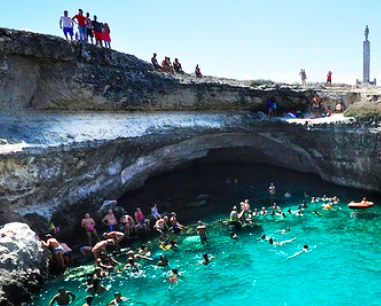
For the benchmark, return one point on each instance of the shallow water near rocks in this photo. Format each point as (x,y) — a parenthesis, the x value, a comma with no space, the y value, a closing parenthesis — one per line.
(343,266)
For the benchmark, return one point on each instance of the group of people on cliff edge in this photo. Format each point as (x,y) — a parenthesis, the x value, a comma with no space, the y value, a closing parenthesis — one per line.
(87,29)
(167,67)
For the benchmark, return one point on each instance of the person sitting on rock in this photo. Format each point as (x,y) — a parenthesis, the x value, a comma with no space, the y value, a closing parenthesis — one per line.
(141,220)
(197,71)
(328,112)
(56,248)
(176,226)
(338,108)
(161,226)
(155,212)
(154,62)
(166,65)
(170,66)
(128,224)
(177,66)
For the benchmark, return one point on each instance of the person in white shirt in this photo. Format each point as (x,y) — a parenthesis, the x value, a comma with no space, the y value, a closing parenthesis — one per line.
(66,23)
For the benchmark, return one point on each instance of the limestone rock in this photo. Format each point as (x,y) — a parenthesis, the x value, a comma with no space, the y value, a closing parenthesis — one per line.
(23,263)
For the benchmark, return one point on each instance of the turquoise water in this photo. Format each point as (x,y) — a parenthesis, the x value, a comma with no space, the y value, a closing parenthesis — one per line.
(343,266)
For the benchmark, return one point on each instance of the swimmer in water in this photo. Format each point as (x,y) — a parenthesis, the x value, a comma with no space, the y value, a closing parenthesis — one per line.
(234,237)
(263,211)
(264,237)
(163,262)
(285,230)
(317,213)
(272,242)
(118,299)
(304,250)
(202,231)
(207,260)
(89,300)
(62,298)
(173,278)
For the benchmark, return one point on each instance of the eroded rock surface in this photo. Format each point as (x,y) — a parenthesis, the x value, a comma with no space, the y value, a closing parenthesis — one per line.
(23,263)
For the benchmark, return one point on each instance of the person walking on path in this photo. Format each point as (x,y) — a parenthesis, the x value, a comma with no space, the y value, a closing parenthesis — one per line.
(66,24)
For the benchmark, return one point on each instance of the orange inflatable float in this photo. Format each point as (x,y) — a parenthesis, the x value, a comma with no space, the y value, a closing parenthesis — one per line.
(363,204)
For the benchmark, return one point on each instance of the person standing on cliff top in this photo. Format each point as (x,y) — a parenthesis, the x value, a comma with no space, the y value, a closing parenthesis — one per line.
(98,29)
(82,22)
(66,23)
(329,78)
(197,71)
(303,76)
(89,29)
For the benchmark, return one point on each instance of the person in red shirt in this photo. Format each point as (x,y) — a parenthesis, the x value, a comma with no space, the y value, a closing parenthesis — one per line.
(329,78)
(82,22)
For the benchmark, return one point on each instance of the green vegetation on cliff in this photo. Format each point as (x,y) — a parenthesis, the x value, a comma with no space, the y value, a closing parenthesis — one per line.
(364,111)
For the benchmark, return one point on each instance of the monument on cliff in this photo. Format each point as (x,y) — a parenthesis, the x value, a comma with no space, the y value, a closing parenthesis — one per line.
(366,62)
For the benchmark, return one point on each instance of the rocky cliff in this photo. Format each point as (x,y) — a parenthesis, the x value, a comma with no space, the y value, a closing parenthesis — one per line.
(58,151)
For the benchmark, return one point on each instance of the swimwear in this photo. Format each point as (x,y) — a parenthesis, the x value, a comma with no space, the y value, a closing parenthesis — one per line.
(155,213)
(172,279)
(58,249)
(68,252)
(69,31)
(113,227)
(316,106)
(204,238)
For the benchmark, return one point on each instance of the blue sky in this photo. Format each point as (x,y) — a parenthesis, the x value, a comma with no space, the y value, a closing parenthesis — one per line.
(242,39)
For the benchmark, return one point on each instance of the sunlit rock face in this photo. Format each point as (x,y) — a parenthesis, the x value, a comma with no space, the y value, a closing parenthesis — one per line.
(23,263)
(69,138)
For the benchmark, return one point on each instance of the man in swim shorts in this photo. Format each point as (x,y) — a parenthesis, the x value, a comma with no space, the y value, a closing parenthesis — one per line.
(128,224)
(101,246)
(63,298)
(202,230)
(161,226)
(57,248)
(88,224)
(66,23)
(110,220)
